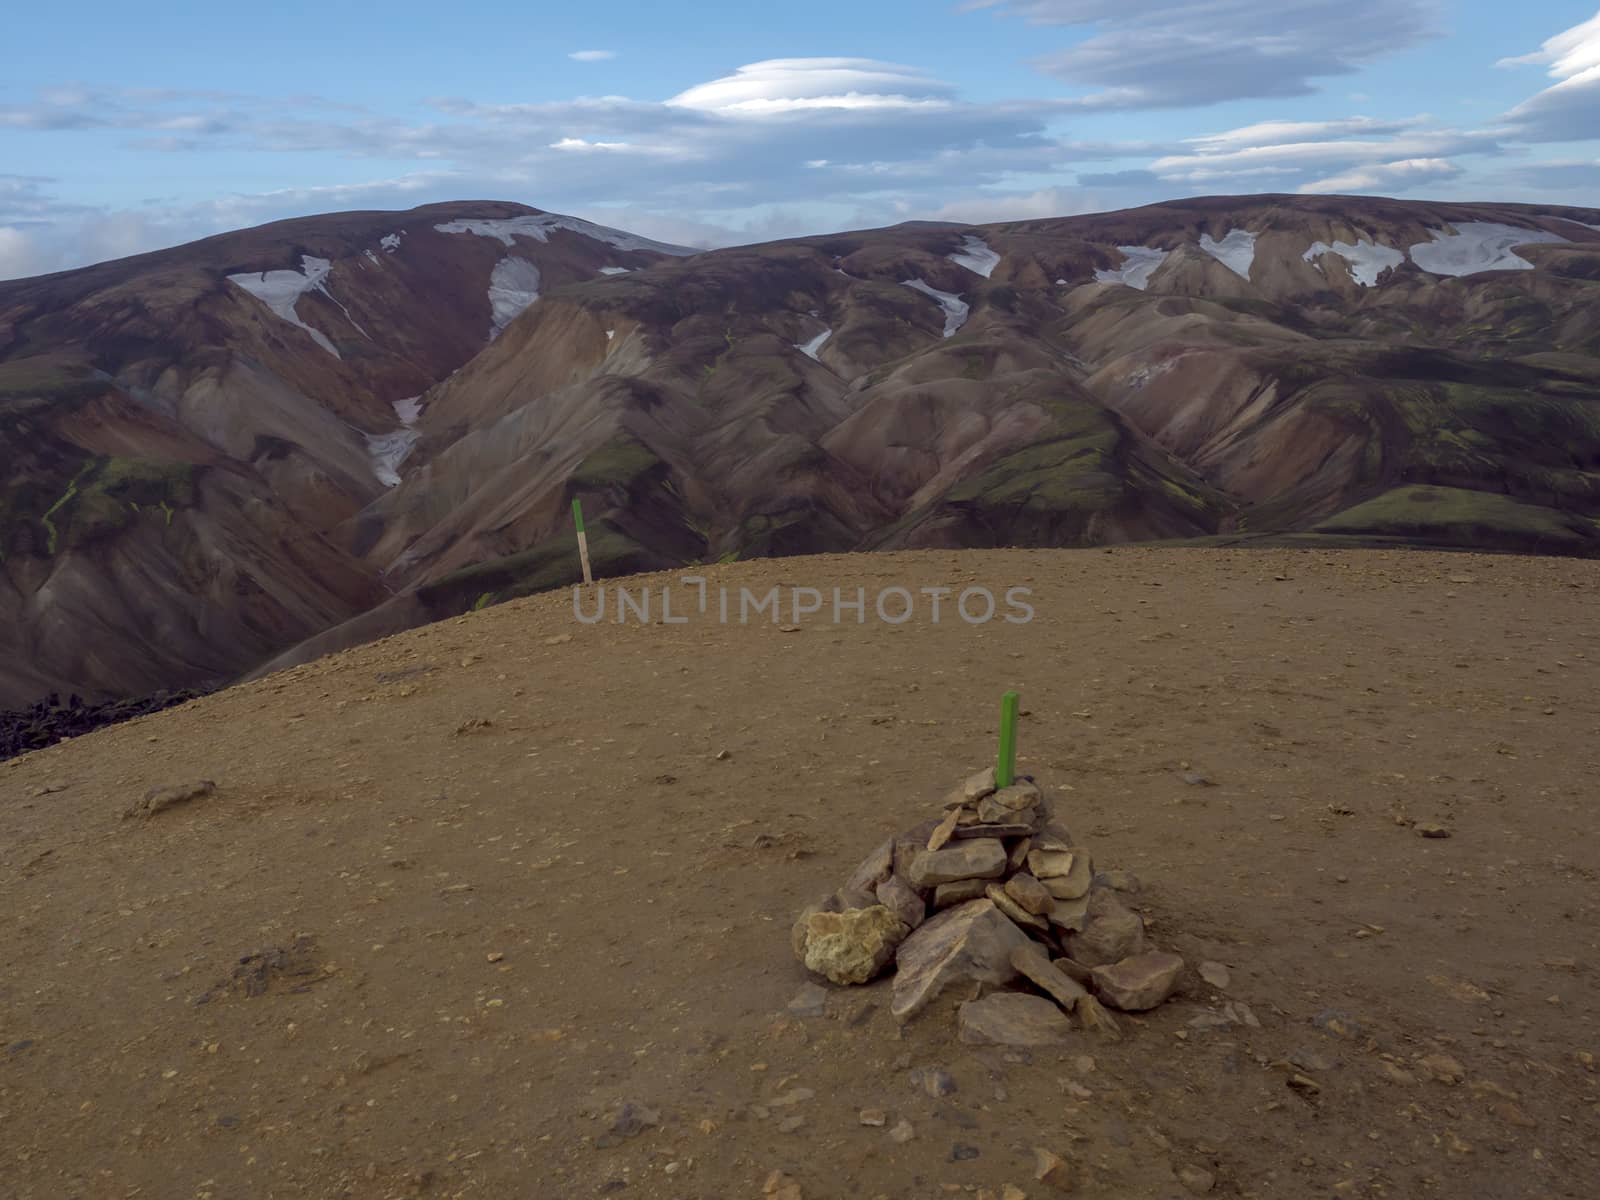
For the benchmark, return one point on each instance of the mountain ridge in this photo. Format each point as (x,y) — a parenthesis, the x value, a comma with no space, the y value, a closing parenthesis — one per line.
(331,427)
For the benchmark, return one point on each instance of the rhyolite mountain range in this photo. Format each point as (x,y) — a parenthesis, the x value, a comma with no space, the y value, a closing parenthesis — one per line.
(278,442)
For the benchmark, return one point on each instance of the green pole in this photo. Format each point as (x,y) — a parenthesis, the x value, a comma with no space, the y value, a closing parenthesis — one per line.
(1005,767)
(583,542)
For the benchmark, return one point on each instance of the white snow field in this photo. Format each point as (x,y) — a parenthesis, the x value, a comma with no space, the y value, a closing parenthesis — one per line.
(1367,260)
(809,349)
(1477,246)
(389,450)
(539,226)
(1236,250)
(1139,263)
(955,309)
(390,241)
(976,256)
(370,255)
(614,270)
(513,286)
(280,290)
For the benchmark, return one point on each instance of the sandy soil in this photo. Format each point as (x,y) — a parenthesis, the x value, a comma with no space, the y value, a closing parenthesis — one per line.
(496,877)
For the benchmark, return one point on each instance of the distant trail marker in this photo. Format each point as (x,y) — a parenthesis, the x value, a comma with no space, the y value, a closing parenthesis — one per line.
(583,542)
(1005,766)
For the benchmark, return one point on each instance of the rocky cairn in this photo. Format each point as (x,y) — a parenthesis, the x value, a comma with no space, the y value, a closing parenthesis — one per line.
(995,893)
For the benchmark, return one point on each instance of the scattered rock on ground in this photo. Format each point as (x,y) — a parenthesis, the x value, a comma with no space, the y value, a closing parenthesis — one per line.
(1140,982)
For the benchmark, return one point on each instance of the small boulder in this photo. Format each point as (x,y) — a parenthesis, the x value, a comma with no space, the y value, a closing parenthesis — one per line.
(1077,879)
(1069,915)
(852,946)
(972,941)
(900,898)
(1013,1019)
(1111,932)
(979,858)
(158,800)
(1138,983)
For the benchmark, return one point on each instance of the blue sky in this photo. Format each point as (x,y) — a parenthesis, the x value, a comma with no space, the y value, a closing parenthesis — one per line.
(128,128)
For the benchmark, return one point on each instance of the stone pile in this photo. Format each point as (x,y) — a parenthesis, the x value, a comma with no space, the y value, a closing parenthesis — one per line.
(995,893)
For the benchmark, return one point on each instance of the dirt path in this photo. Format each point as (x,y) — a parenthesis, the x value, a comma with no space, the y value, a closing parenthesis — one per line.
(493,881)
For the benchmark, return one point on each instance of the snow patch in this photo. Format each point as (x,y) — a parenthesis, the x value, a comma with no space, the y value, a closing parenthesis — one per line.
(390,242)
(614,270)
(539,227)
(389,450)
(1236,251)
(1477,246)
(1367,260)
(610,333)
(809,349)
(955,309)
(513,286)
(976,256)
(1140,262)
(371,255)
(281,290)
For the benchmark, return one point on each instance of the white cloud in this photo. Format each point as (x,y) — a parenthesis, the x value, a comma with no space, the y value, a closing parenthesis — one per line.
(1569,110)
(786,85)
(20,255)
(1182,53)
(591,55)
(1390,176)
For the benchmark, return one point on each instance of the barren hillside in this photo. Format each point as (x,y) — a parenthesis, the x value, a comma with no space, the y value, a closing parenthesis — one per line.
(462,894)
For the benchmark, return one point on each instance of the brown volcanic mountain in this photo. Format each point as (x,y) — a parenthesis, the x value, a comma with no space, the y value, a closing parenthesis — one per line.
(1318,368)
(183,432)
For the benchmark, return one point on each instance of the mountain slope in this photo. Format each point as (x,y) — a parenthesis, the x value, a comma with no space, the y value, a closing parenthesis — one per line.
(184,431)
(1342,369)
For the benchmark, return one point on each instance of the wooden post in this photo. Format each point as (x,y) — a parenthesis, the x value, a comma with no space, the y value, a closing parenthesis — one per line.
(1005,767)
(583,542)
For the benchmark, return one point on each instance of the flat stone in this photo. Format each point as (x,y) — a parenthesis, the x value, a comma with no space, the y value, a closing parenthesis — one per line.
(1030,894)
(1074,970)
(875,1117)
(1017,797)
(1035,966)
(810,1001)
(1216,975)
(1070,915)
(900,898)
(992,812)
(1013,1019)
(159,799)
(980,858)
(1003,901)
(1076,881)
(972,941)
(935,1082)
(978,785)
(873,870)
(1017,854)
(1138,983)
(1050,864)
(902,1132)
(1111,932)
(1053,1171)
(947,895)
(852,946)
(1006,830)
(944,829)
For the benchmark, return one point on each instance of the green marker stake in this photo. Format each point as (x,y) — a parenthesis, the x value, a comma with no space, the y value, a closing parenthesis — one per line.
(583,541)
(1005,767)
